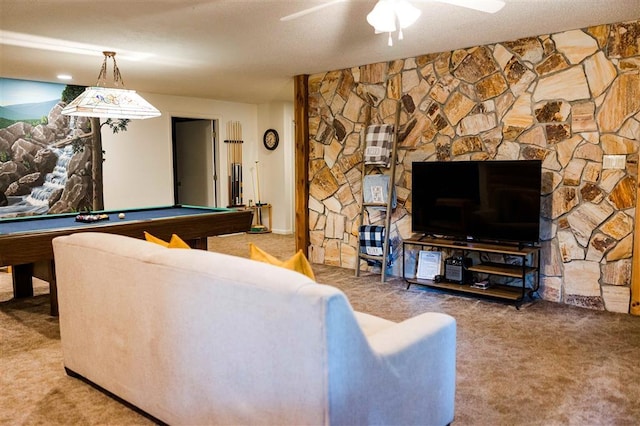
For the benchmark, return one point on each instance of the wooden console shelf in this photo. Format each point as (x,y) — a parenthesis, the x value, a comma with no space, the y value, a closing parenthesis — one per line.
(528,263)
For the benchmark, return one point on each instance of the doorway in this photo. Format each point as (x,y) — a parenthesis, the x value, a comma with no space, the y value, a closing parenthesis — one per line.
(195,165)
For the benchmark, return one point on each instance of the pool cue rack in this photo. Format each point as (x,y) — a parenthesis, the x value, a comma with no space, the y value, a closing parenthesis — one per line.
(234,163)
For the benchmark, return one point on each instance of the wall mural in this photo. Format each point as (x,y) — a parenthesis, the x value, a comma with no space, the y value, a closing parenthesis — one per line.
(46,161)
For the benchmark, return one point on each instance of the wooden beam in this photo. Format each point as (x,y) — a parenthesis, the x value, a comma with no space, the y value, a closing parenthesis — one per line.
(635,266)
(301,114)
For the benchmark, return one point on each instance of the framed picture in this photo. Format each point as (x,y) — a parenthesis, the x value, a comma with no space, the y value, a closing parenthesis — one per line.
(429,264)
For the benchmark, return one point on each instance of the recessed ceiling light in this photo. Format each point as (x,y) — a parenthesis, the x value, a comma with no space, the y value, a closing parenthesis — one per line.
(64,77)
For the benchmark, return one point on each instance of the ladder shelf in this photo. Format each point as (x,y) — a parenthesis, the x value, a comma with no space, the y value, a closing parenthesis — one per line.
(387,205)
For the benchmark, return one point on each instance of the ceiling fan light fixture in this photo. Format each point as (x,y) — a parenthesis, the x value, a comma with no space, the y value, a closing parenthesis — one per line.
(382,17)
(110,102)
(406,13)
(386,13)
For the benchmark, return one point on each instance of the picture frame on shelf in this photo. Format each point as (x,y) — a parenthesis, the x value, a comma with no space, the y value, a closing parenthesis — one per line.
(429,264)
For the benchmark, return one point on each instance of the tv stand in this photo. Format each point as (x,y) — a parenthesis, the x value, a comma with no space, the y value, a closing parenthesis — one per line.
(528,264)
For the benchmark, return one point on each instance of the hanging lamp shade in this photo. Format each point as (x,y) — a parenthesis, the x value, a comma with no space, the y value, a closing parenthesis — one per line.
(106,102)
(110,102)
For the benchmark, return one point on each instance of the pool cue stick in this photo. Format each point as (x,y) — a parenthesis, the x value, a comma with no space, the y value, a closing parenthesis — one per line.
(235,164)
(259,204)
(240,142)
(229,163)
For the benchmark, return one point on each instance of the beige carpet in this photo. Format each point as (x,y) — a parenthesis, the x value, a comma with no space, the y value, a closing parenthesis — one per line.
(546,364)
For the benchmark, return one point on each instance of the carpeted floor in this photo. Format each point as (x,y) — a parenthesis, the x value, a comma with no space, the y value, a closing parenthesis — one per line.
(545,364)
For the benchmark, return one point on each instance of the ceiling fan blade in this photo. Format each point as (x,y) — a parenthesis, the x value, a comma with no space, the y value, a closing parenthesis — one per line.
(488,6)
(310,10)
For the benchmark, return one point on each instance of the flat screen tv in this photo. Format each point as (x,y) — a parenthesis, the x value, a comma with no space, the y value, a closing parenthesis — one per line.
(477,200)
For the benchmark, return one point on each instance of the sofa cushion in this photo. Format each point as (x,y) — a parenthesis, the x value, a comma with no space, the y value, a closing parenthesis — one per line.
(298,262)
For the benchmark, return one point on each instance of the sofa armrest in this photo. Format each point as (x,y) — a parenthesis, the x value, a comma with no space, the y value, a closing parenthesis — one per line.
(415,331)
(421,353)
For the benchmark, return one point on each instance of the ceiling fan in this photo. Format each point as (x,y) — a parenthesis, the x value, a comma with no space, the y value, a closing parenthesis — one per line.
(387,13)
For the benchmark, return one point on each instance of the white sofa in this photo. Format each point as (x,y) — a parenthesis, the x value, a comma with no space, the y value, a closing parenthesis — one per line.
(196,337)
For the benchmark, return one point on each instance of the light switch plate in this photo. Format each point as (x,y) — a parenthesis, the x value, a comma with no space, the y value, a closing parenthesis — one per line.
(614,162)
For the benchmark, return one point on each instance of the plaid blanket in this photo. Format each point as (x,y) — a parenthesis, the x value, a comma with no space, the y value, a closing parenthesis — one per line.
(372,243)
(378,142)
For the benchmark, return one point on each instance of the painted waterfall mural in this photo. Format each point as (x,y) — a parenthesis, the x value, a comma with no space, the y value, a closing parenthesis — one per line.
(46,162)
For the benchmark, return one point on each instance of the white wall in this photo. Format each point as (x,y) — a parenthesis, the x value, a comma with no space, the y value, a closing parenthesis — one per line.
(277,174)
(138,171)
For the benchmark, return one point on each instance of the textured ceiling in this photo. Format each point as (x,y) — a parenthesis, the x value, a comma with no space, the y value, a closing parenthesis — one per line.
(240,50)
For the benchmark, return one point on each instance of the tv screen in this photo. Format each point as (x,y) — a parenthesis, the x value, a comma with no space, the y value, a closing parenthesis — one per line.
(479,200)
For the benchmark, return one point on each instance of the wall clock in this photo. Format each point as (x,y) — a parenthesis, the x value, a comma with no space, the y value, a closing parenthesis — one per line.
(271,139)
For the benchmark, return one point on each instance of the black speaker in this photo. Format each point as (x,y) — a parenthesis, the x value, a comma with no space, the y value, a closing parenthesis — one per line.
(455,269)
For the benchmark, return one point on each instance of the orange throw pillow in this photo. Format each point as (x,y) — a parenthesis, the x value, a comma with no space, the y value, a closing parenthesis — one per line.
(175,242)
(298,262)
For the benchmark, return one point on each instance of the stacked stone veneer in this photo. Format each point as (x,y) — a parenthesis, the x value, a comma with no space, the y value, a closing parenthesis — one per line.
(569,99)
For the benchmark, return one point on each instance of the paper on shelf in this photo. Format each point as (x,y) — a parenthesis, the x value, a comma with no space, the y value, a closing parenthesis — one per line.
(429,264)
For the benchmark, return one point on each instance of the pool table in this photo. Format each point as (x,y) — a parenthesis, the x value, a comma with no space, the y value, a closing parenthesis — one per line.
(25,243)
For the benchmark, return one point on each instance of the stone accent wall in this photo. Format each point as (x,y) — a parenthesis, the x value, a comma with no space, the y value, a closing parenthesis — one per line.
(571,99)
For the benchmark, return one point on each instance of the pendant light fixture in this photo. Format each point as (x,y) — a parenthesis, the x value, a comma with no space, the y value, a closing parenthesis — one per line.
(387,13)
(110,102)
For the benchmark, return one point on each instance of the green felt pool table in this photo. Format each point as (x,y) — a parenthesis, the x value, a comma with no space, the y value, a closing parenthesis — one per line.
(25,243)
